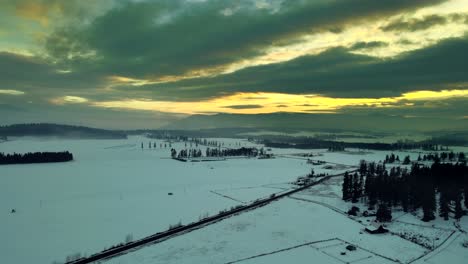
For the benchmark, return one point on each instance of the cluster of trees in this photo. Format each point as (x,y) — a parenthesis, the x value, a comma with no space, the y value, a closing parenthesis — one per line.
(433,147)
(154,145)
(352,187)
(186,153)
(392,158)
(162,134)
(444,156)
(309,178)
(337,147)
(211,143)
(411,189)
(36,157)
(216,152)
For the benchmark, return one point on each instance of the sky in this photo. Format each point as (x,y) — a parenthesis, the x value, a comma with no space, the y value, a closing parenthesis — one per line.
(146,64)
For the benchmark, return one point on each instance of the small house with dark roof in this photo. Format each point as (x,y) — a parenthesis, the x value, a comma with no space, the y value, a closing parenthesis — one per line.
(376,230)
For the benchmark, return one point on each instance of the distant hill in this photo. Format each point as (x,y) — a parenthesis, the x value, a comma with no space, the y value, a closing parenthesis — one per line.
(321,122)
(55,130)
(459,138)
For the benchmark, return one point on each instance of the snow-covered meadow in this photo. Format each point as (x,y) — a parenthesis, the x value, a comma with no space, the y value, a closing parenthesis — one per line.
(296,231)
(113,189)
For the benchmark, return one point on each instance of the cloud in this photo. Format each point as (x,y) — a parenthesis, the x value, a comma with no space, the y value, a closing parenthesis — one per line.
(244,106)
(338,73)
(143,56)
(69,99)
(368,45)
(11,92)
(34,75)
(424,23)
(196,36)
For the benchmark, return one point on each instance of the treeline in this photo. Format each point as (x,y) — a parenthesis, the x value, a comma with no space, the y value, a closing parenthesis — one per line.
(36,157)
(214,152)
(154,145)
(443,156)
(56,130)
(184,153)
(442,186)
(311,143)
(392,158)
(435,157)
(337,147)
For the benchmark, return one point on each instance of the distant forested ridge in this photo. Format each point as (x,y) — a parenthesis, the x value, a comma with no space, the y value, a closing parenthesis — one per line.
(313,143)
(36,157)
(56,130)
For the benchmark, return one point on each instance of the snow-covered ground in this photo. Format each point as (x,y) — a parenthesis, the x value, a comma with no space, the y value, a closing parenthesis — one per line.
(113,188)
(310,226)
(288,226)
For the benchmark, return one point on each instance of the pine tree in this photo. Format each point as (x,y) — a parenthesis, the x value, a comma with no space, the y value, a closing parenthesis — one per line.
(444,206)
(429,206)
(346,186)
(458,206)
(356,188)
(361,185)
(384,213)
(451,155)
(369,190)
(465,191)
(461,157)
(407,160)
(405,192)
(362,167)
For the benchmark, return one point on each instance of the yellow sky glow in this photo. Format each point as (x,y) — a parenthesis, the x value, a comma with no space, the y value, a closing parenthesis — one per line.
(11,92)
(69,99)
(258,103)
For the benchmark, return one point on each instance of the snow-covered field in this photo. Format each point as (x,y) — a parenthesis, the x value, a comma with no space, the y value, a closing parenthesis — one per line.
(310,226)
(287,225)
(113,188)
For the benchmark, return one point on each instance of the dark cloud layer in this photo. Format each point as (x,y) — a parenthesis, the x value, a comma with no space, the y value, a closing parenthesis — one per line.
(32,74)
(339,73)
(140,39)
(423,23)
(368,45)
